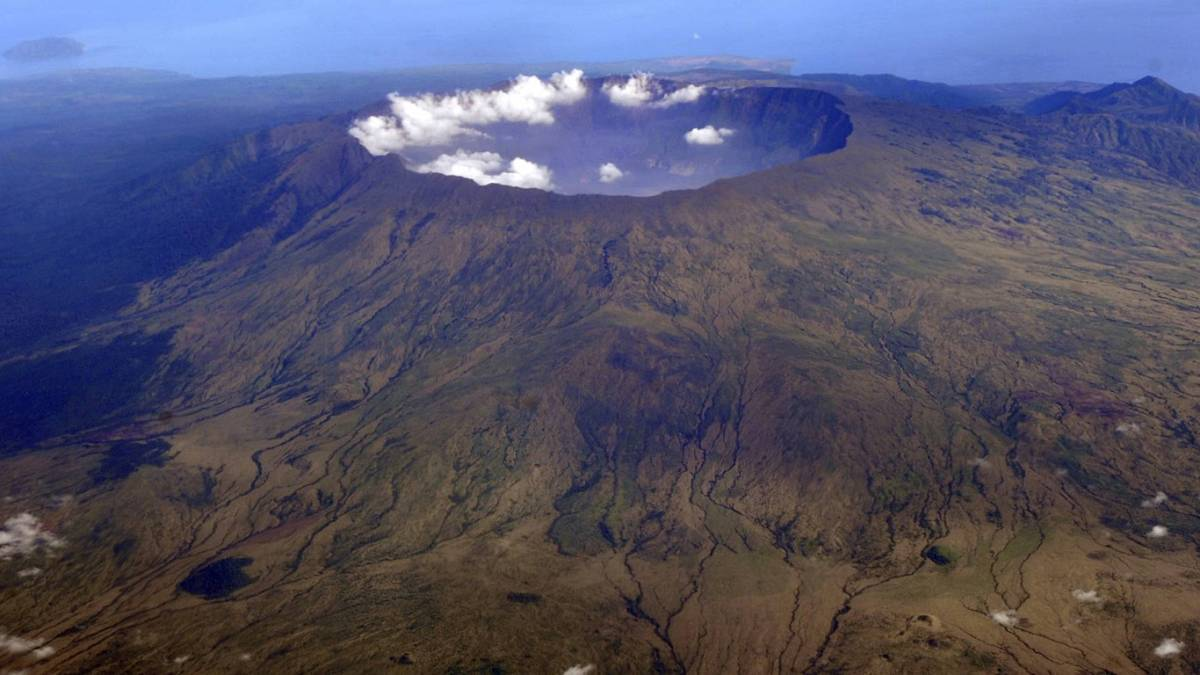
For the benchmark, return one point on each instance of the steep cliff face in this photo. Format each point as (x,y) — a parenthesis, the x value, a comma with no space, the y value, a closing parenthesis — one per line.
(840,414)
(764,127)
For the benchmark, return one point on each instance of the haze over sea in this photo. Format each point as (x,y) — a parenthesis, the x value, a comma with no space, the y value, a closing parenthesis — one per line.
(955,41)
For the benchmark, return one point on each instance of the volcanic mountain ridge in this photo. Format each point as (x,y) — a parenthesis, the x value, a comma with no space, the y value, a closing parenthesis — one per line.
(906,406)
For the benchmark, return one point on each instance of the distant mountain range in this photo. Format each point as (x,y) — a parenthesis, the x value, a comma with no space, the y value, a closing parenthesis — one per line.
(44,49)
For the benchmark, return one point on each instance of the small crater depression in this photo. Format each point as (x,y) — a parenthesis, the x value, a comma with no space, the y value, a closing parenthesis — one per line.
(941,556)
(217,579)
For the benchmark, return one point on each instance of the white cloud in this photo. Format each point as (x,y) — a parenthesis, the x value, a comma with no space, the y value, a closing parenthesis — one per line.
(708,135)
(431,120)
(695,36)
(1086,596)
(1129,428)
(23,535)
(19,645)
(1160,498)
(44,652)
(1157,532)
(641,89)
(689,94)
(487,168)
(580,670)
(1168,647)
(1005,617)
(609,173)
(980,462)
(29,572)
(632,93)
(181,659)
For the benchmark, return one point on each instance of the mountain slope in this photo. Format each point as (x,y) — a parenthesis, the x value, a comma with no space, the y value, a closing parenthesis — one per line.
(1012,96)
(826,417)
(1148,119)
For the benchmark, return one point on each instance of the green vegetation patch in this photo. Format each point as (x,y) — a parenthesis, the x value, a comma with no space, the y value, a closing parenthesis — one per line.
(1023,543)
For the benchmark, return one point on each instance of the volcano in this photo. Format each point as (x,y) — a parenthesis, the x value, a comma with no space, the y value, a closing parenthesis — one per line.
(889,388)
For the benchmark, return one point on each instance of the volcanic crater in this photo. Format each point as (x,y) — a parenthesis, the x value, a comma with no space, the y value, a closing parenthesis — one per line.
(634,135)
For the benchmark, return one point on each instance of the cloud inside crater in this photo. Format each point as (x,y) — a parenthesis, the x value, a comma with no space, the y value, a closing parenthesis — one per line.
(431,119)
(610,173)
(708,135)
(580,670)
(641,89)
(488,168)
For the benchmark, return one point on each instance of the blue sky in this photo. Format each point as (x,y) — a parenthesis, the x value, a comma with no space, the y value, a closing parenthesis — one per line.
(947,40)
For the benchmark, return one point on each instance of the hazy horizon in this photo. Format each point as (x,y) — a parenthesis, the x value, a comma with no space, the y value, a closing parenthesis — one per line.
(1026,40)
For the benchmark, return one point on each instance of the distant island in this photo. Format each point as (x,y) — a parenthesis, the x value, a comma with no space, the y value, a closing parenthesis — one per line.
(44,49)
